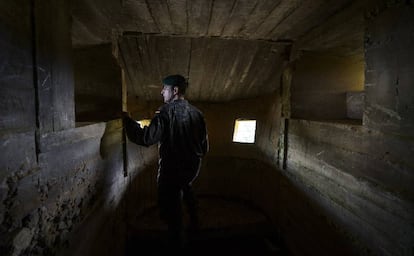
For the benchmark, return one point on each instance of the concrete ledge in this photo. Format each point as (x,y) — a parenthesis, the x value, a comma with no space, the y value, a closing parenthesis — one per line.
(53,140)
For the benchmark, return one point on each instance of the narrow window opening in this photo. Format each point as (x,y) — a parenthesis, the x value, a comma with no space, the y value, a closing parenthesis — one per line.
(244,131)
(144,122)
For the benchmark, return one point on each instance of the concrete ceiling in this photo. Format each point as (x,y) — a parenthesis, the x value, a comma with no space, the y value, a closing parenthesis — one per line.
(229,49)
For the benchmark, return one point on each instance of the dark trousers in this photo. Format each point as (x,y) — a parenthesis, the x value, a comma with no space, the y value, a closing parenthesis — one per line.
(170,198)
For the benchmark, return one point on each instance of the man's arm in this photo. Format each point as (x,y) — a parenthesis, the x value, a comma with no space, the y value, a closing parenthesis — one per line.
(133,130)
(148,135)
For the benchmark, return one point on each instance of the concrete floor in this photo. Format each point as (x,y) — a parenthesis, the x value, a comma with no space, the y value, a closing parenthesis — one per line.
(227,227)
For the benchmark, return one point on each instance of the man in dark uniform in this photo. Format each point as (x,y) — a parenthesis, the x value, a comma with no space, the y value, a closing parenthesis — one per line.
(181,132)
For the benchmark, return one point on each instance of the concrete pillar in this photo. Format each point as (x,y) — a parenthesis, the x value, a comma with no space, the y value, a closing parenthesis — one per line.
(53,59)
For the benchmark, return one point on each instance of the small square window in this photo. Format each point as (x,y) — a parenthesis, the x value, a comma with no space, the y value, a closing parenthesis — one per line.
(244,131)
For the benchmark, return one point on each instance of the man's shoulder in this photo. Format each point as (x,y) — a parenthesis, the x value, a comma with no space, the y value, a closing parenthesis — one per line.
(183,105)
(195,109)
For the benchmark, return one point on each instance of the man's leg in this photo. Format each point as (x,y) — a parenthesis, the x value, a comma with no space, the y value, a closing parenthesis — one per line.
(191,203)
(169,202)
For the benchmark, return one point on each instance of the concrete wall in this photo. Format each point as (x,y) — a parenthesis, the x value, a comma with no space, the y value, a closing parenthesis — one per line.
(355,181)
(52,53)
(17,108)
(360,177)
(53,176)
(117,199)
(389,60)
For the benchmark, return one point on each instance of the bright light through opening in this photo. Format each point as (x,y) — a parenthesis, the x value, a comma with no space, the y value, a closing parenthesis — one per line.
(144,122)
(244,131)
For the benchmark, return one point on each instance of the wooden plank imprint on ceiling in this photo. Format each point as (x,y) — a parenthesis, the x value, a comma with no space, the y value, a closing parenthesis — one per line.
(217,69)
(148,59)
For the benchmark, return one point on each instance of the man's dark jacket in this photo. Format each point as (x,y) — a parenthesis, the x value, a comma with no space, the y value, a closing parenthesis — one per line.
(181,132)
